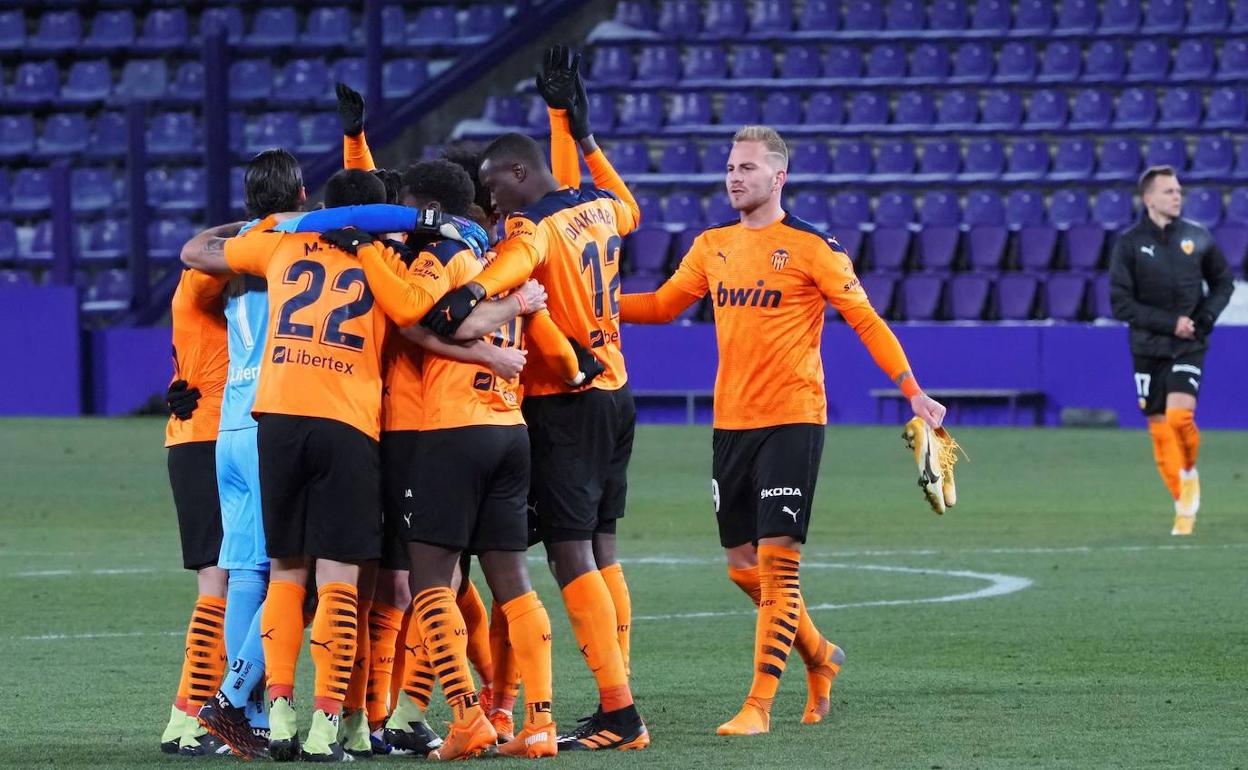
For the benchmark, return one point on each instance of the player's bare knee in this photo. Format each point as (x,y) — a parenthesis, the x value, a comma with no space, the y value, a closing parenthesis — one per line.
(331,571)
(432,567)
(743,556)
(605,548)
(212,581)
(507,574)
(571,559)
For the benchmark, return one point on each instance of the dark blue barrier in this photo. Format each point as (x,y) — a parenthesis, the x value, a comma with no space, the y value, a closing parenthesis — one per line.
(41,354)
(129,365)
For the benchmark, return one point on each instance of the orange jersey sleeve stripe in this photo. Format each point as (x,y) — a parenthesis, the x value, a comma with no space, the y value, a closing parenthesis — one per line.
(355,153)
(200,353)
(565,156)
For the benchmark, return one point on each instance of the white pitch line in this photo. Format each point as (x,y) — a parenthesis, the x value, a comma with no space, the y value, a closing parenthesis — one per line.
(100,635)
(998,585)
(97,572)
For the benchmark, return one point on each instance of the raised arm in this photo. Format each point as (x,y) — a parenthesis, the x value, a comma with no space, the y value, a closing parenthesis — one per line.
(355,153)
(656,307)
(206,251)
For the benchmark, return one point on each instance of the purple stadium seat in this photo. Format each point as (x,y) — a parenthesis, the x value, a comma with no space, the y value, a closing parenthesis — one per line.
(719,209)
(1208,16)
(1167,151)
(1016,296)
(968,296)
(947,15)
(57,31)
(984,207)
(327,27)
(1136,108)
(1203,205)
(1060,63)
(1036,244)
(17,135)
(8,243)
(1232,238)
(895,209)
(843,62)
(810,157)
(1112,208)
(985,160)
(1233,63)
(1024,208)
(895,158)
(319,132)
(725,18)
(109,137)
(110,286)
(867,108)
(679,18)
(503,110)
(186,187)
(920,296)
(164,29)
(1065,296)
(1100,296)
(642,111)
(229,19)
(886,61)
(63,134)
(166,236)
(1091,110)
(1029,159)
(1150,60)
(35,81)
(187,84)
(651,207)
(705,62)
(431,23)
(12,30)
(1106,61)
(1119,160)
(637,14)
(1193,60)
(640,284)
(39,248)
(740,108)
(957,108)
(941,160)
(864,15)
(850,210)
(350,71)
(602,107)
(646,251)
(1213,158)
(890,243)
(92,189)
(630,156)
(105,242)
(401,77)
(904,16)
(110,29)
(1165,16)
(771,15)
(692,108)
(1084,246)
(31,190)
(1076,15)
(1180,108)
(658,62)
(1074,159)
(881,289)
(680,157)
(1001,109)
(991,16)
(1068,207)
(1237,207)
(1228,108)
(1033,16)
(852,159)
(482,21)
(819,16)
(272,129)
(940,209)
(1120,15)
(1046,109)
(143,79)
(683,208)
(272,27)
(915,109)
(800,62)
(1017,62)
(930,62)
(250,80)
(812,207)
(612,64)
(825,108)
(782,108)
(986,240)
(715,158)
(972,62)
(938,243)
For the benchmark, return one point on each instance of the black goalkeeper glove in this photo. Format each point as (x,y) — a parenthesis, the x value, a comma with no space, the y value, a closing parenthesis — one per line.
(350,109)
(182,400)
(590,367)
(1204,324)
(347,239)
(578,113)
(452,309)
(556,82)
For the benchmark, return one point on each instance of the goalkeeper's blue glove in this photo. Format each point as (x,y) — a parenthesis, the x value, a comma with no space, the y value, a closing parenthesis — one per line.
(434,223)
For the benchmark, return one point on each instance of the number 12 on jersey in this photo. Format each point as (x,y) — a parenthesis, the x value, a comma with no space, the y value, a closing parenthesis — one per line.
(604,262)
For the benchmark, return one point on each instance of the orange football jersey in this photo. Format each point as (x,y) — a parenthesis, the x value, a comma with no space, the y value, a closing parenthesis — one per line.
(200,353)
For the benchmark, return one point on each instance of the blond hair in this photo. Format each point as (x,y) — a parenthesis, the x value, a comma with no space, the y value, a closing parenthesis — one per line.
(777,150)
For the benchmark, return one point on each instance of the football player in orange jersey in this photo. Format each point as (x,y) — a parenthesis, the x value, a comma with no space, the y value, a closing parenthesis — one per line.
(569,239)
(770,276)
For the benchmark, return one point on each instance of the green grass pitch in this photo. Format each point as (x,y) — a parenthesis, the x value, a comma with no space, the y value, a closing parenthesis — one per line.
(1110,644)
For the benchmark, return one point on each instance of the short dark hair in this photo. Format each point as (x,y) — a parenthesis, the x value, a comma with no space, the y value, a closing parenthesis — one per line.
(393,181)
(272,183)
(1151,173)
(515,148)
(354,187)
(467,155)
(442,181)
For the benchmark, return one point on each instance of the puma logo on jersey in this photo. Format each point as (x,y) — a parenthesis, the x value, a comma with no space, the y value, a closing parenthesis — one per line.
(792,512)
(1148,250)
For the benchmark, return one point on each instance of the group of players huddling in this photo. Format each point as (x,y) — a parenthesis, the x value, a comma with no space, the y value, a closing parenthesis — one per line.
(355,412)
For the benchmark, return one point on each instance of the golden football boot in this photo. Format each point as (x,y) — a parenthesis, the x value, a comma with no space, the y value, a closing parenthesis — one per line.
(947,456)
(920,439)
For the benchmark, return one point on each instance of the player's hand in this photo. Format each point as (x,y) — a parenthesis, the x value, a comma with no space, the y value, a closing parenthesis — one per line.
(405,252)
(557,80)
(928,409)
(507,362)
(350,109)
(578,112)
(450,311)
(181,399)
(590,367)
(532,297)
(347,239)
(432,222)
(1185,329)
(1204,324)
